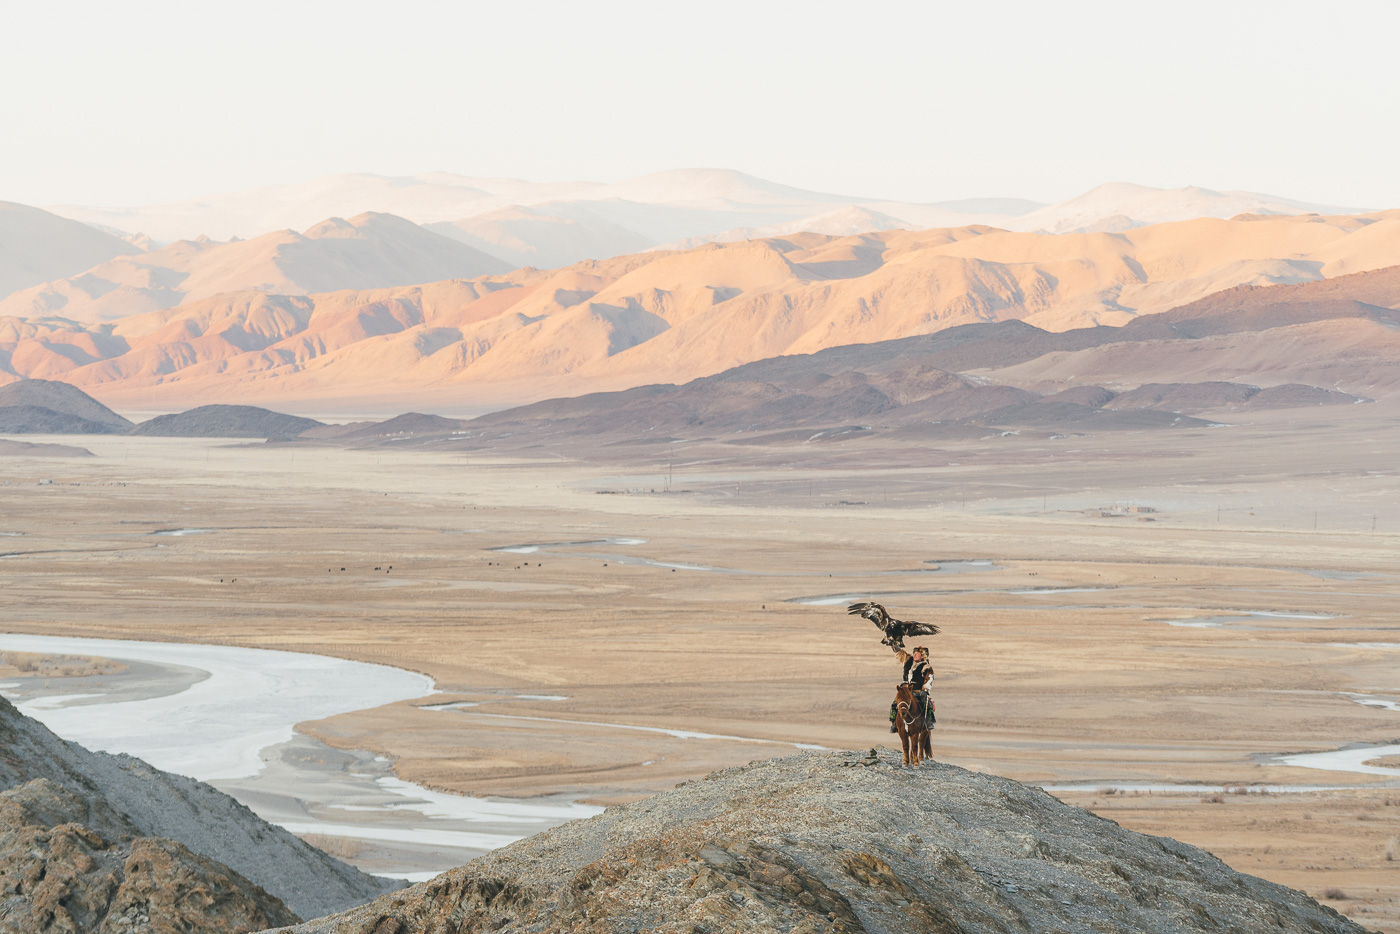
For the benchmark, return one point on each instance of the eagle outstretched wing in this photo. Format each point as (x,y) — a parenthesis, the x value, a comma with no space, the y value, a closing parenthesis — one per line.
(895,630)
(871,611)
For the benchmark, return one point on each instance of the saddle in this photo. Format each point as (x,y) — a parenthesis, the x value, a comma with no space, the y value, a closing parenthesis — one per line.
(922,697)
(929,707)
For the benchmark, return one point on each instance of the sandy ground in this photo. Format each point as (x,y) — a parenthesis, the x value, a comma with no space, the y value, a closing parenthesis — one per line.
(688,588)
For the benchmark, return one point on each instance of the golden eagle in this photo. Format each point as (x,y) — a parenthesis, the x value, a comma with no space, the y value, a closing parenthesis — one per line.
(894,629)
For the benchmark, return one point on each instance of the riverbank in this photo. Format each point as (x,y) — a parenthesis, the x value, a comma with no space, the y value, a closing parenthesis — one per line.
(226,715)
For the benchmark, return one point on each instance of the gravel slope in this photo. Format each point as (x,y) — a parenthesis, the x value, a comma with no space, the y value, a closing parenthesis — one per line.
(207,821)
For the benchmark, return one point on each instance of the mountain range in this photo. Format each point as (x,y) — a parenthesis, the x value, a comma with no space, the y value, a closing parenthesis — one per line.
(365,252)
(974,380)
(553,224)
(36,246)
(658,316)
(1228,356)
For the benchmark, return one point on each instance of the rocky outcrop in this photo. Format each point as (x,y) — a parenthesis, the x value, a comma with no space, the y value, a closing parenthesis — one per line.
(226,421)
(128,797)
(42,406)
(843,843)
(58,873)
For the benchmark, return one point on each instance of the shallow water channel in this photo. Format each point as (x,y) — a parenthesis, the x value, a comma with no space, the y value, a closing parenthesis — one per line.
(226,715)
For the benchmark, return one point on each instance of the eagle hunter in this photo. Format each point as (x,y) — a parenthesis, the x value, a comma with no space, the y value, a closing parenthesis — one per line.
(894,629)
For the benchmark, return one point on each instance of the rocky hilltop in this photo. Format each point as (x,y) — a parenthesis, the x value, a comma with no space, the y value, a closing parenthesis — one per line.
(126,797)
(840,842)
(42,406)
(60,874)
(226,421)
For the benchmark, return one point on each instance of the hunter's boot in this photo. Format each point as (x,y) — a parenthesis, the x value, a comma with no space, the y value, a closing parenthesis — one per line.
(893,728)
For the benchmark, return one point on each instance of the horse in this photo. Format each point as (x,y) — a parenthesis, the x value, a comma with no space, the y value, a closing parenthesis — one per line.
(913,728)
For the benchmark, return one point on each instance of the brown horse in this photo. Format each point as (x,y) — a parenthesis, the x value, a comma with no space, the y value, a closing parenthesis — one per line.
(913,728)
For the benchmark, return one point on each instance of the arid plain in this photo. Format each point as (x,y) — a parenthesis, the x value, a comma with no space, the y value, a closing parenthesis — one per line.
(700,587)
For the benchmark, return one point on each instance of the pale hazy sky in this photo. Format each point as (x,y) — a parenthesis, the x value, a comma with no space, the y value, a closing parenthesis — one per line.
(139,102)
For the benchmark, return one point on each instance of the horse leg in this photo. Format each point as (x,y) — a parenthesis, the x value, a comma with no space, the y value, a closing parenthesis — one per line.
(914,742)
(904,739)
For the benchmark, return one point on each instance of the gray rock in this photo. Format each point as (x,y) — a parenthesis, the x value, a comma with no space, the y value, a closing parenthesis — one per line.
(60,876)
(802,844)
(128,796)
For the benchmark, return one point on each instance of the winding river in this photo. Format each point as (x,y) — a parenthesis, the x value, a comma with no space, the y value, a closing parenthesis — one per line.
(226,715)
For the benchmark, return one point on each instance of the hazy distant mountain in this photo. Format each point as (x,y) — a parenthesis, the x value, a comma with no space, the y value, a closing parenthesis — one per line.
(1123,206)
(368,251)
(545,237)
(714,188)
(142,242)
(841,222)
(438,196)
(671,317)
(36,246)
(554,224)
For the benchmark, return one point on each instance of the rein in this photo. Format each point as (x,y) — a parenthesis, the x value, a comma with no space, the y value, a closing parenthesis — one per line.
(905,707)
